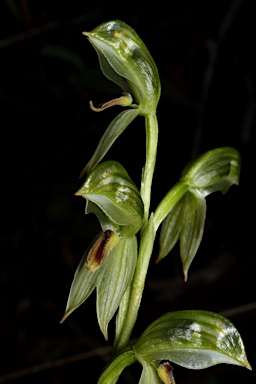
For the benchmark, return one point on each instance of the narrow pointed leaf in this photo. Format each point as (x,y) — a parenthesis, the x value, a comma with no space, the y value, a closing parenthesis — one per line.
(114,130)
(111,189)
(115,280)
(192,339)
(83,284)
(170,231)
(192,228)
(215,170)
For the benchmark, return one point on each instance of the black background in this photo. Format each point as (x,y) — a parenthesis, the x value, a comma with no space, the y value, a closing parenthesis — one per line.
(205,53)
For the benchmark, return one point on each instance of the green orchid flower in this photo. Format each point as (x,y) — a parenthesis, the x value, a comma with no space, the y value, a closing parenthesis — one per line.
(194,339)
(122,56)
(109,263)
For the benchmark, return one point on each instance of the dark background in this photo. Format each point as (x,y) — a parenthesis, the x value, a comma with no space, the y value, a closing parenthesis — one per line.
(205,52)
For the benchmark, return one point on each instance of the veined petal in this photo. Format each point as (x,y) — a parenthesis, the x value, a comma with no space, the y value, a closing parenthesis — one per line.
(215,170)
(193,339)
(115,279)
(170,231)
(112,190)
(149,375)
(192,227)
(83,284)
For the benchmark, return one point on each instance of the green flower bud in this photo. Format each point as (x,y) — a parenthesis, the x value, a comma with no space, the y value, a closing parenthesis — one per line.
(123,55)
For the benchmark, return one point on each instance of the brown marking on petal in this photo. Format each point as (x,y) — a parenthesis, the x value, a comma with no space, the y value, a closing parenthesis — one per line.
(165,372)
(101,249)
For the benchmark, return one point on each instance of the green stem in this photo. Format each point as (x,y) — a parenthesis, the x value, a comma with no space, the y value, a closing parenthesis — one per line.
(147,237)
(114,369)
(148,170)
(145,252)
(169,201)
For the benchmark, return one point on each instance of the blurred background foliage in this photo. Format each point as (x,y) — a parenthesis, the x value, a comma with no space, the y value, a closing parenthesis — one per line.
(205,52)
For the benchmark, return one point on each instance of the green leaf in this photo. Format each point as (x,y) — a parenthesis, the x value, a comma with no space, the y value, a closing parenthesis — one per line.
(83,284)
(114,130)
(192,228)
(111,189)
(215,170)
(119,45)
(115,279)
(170,231)
(192,339)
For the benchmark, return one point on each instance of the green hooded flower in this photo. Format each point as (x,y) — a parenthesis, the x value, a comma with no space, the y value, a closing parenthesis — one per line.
(125,60)
(109,263)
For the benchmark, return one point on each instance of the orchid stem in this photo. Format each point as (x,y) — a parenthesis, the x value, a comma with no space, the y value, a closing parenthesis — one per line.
(147,235)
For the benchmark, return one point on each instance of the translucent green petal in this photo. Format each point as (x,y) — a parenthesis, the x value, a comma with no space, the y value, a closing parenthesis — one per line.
(149,375)
(83,284)
(111,189)
(115,279)
(109,72)
(129,58)
(215,170)
(192,339)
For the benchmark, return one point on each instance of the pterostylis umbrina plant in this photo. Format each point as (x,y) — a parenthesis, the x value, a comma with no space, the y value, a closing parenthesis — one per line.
(117,261)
